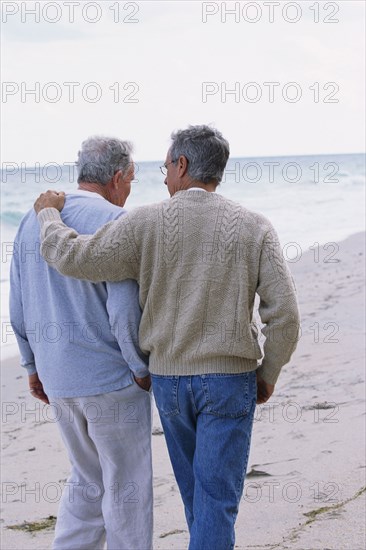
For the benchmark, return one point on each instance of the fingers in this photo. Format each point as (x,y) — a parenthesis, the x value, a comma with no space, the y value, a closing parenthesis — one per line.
(50,199)
(50,193)
(38,393)
(262,397)
(144,383)
(264,391)
(42,397)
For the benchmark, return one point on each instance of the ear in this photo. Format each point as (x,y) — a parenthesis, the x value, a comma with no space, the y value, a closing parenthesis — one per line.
(182,165)
(116,178)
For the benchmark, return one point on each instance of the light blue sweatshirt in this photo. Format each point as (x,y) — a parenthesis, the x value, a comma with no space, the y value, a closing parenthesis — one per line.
(81,338)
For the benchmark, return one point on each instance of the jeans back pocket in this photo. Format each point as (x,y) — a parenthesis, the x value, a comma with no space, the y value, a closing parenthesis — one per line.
(229,395)
(165,389)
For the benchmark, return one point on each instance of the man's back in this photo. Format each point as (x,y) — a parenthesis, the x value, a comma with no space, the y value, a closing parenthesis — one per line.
(199,260)
(74,329)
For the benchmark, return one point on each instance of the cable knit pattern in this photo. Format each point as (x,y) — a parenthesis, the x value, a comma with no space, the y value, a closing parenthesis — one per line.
(199,260)
(270,249)
(171,225)
(226,238)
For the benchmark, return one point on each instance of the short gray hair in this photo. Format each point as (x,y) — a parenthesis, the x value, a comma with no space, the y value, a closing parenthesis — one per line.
(206,150)
(101,157)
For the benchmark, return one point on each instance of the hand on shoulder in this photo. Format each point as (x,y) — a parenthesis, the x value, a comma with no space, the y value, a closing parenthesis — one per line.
(50,199)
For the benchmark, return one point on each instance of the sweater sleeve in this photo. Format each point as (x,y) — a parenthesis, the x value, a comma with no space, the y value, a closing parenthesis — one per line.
(108,255)
(278,309)
(17,315)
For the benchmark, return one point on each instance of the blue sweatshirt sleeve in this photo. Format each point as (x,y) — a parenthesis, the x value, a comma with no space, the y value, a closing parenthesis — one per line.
(124,317)
(17,316)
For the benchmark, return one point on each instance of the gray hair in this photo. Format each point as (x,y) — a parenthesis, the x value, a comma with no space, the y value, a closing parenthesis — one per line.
(101,157)
(206,150)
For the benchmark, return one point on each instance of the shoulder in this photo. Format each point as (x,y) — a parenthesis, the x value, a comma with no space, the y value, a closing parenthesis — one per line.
(97,203)
(146,214)
(250,219)
(88,214)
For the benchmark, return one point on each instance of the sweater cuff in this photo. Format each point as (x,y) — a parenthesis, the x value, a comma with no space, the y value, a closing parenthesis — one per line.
(30,368)
(140,372)
(48,215)
(268,374)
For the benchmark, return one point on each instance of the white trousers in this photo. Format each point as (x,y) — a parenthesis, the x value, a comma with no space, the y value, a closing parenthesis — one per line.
(108,496)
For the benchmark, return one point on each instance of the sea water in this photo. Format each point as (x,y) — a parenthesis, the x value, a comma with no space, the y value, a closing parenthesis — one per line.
(311,201)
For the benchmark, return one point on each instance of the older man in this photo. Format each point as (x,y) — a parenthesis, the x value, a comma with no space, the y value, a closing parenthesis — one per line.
(78,342)
(199,260)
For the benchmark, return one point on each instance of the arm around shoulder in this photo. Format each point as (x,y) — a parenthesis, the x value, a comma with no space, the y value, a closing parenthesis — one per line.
(108,255)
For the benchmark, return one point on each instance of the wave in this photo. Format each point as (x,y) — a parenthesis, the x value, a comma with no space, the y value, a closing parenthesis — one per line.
(11,217)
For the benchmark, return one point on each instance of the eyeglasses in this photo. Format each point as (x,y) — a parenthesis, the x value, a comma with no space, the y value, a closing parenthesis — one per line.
(164,168)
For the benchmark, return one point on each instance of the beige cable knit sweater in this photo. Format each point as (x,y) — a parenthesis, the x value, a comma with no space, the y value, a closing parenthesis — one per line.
(199,260)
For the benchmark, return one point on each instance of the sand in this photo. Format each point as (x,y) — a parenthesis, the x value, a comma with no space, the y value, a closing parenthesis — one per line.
(305,488)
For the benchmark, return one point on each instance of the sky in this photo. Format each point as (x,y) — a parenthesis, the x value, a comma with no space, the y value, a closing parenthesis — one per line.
(276,78)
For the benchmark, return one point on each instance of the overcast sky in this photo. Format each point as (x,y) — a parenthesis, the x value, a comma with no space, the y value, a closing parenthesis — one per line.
(159,66)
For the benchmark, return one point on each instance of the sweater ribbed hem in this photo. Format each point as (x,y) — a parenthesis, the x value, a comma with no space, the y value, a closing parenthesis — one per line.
(49,215)
(189,367)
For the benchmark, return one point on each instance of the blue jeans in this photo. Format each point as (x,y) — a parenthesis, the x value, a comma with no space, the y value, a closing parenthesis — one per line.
(207,421)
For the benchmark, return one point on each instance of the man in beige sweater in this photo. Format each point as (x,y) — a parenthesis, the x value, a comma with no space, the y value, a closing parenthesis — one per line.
(199,259)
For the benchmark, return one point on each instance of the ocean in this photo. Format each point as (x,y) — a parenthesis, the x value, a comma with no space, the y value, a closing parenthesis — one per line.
(311,200)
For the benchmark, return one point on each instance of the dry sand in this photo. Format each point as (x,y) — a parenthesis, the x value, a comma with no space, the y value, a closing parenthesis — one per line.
(306,472)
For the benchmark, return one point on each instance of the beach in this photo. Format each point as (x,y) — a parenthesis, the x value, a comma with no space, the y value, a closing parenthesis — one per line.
(305,485)
(283,84)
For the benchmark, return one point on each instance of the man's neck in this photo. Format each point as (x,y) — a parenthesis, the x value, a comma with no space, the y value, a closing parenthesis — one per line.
(93,188)
(210,187)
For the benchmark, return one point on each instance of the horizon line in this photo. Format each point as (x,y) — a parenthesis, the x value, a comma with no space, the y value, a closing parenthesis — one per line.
(54,163)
